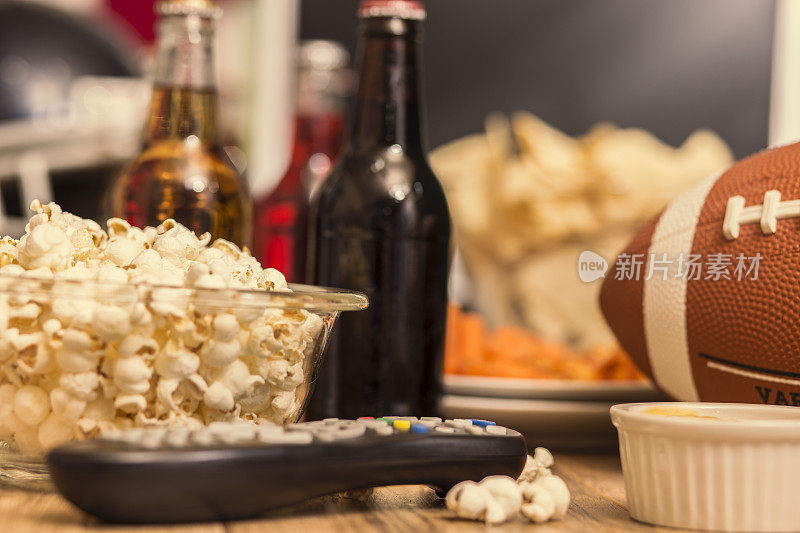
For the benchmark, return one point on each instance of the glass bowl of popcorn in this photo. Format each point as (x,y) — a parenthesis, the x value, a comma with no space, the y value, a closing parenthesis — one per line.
(107,330)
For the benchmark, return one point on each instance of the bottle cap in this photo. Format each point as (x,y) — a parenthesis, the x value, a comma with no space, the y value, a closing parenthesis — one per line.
(404,9)
(201,8)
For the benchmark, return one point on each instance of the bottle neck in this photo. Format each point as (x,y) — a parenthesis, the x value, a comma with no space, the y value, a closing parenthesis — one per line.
(388,103)
(184,100)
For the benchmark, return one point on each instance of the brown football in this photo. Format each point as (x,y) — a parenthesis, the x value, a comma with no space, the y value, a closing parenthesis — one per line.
(729,329)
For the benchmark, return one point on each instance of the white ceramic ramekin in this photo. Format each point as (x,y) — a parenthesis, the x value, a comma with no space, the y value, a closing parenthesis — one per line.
(738,471)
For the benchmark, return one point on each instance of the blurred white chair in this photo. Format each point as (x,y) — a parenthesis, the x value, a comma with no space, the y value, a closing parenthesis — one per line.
(100,125)
(34,180)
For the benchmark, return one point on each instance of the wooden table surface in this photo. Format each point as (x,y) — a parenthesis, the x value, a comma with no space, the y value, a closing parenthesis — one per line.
(598,504)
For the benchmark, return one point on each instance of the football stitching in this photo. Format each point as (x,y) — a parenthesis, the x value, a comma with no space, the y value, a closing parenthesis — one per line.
(704,226)
(766,214)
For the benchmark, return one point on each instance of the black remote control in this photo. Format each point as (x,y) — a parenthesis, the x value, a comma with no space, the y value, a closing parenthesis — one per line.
(238,470)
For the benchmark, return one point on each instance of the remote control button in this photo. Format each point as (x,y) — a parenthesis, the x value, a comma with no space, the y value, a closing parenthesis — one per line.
(410,419)
(326,436)
(314,427)
(434,419)
(429,423)
(202,437)
(330,421)
(384,430)
(419,428)
(483,423)
(386,419)
(373,424)
(287,437)
(131,436)
(152,437)
(366,418)
(268,431)
(460,423)
(495,430)
(445,429)
(225,428)
(345,433)
(229,434)
(475,430)
(177,437)
(351,432)
(402,425)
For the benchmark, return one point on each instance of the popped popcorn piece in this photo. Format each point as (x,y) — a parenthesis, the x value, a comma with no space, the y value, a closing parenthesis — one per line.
(218,397)
(547,498)
(494,500)
(112,274)
(8,251)
(77,351)
(54,431)
(283,375)
(270,278)
(226,327)
(132,375)
(36,359)
(46,246)
(130,403)
(81,385)
(237,378)
(537,466)
(65,405)
(86,358)
(538,494)
(136,344)
(31,404)
(175,362)
(283,402)
(220,354)
(111,322)
(181,394)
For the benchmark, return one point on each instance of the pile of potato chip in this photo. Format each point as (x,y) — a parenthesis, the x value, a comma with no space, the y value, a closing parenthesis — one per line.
(526,199)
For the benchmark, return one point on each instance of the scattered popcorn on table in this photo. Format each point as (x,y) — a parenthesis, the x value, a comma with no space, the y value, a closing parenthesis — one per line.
(494,500)
(80,360)
(538,494)
(538,465)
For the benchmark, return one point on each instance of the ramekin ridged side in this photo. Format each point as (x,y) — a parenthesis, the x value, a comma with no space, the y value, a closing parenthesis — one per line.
(707,474)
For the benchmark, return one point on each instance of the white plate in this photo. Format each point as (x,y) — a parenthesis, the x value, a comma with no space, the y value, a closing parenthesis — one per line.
(552,389)
(559,425)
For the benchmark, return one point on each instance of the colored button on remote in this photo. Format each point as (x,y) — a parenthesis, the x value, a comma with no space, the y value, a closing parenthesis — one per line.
(402,425)
(482,423)
(419,428)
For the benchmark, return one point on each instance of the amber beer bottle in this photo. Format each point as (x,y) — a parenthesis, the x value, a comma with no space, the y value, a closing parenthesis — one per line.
(181,171)
(381,225)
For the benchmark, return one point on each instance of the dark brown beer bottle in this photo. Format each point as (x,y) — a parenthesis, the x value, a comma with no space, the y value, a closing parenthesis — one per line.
(380,225)
(181,171)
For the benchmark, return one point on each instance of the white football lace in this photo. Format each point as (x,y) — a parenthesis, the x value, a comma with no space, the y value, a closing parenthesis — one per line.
(766,214)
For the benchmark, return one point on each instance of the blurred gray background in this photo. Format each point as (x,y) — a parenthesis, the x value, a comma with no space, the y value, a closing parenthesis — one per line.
(670,67)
